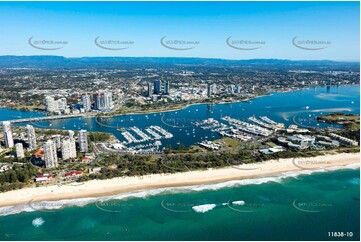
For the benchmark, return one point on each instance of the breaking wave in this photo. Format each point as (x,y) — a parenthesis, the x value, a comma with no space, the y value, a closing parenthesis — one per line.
(203,208)
(51,206)
(38,222)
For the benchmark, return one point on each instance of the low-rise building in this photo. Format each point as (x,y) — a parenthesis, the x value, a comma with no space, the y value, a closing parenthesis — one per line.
(73,174)
(298,141)
(5,167)
(209,145)
(333,143)
(94,170)
(272,150)
(344,139)
(44,178)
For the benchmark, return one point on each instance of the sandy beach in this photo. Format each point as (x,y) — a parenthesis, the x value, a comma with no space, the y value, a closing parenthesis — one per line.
(98,188)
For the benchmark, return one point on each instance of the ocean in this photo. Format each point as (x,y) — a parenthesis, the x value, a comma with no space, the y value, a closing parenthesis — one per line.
(292,206)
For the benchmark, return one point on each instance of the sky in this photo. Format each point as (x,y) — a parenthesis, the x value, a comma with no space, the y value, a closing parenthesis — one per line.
(278,30)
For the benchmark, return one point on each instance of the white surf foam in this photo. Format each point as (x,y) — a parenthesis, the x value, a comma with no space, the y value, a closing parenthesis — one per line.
(51,205)
(38,222)
(240,203)
(9,210)
(203,208)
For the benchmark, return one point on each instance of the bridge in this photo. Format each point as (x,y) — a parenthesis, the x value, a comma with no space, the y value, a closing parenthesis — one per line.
(46,118)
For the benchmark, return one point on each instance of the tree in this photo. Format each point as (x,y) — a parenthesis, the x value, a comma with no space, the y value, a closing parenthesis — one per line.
(22,175)
(2,178)
(12,177)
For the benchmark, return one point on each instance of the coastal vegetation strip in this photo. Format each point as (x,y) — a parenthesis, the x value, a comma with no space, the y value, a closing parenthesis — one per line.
(117,185)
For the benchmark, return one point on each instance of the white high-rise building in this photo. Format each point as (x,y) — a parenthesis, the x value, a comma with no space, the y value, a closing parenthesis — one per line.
(8,134)
(108,100)
(50,155)
(50,104)
(83,141)
(31,137)
(62,104)
(69,146)
(55,106)
(68,149)
(71,134)
(57,140)
(86,102)
(19,150)
(103,101)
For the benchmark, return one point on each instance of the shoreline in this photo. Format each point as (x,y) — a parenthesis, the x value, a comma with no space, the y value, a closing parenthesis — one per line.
(184,107)
(166,110)
(114,115)
(152,111)
(94,115)
(121,185)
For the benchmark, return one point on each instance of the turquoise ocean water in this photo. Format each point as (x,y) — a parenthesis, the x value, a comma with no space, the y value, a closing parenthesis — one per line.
(288,207)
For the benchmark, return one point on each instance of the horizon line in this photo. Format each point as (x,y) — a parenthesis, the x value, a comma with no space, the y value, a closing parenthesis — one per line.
(179,57)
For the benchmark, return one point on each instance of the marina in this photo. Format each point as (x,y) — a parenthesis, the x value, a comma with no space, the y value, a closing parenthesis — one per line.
(239,120)
(238,129)
(147,144)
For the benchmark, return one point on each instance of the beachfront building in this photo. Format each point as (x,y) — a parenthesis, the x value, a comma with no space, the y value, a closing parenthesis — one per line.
(31,136)
(44,178)
(271,150)
(344,139)
(5,167)
(50,155)
(68,149)
(8,134)
(73,174)
(71,134)
(19,150)
(83,141)
(95,170)
(72,144)
(332,143)
(57,140)
(300,142)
